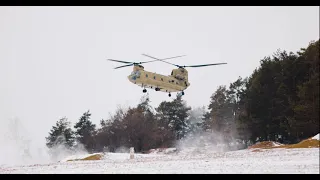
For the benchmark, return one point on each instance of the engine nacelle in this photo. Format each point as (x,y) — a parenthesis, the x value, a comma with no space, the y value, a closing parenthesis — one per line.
(180,74)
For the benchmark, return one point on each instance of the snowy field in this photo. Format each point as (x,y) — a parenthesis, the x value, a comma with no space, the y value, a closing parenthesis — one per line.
(249,161)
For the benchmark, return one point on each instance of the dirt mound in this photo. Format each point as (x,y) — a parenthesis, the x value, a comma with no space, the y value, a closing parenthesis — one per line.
(89,157)
(265,145)
(308,143)
(312,142)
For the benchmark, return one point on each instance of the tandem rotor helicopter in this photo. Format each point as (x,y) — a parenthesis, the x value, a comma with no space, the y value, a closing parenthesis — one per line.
(176,82)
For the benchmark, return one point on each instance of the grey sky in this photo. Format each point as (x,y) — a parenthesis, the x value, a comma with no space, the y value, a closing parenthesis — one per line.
(53,59)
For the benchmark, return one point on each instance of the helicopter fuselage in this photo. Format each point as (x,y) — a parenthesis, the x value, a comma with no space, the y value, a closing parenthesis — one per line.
(176,82)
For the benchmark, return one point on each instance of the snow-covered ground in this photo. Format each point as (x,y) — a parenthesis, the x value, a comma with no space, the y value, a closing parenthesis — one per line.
(274,161)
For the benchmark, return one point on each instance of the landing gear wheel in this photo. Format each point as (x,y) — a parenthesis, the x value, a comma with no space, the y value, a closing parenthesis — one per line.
(144,90)
(182,93)
(169,95)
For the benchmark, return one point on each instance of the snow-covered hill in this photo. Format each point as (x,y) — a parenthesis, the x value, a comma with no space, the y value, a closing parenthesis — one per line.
(305,160)
(200,154)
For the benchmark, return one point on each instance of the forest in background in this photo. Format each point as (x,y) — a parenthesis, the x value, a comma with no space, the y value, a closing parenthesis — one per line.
(279,102)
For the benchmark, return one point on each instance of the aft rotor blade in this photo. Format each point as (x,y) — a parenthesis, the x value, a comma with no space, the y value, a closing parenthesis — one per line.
(168,62)
(150,56)
(123,66)
(202,65)
(147,61)
(119,61)
(163,59)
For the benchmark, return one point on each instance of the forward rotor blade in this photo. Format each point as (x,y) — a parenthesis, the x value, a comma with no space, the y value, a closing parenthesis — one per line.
(163,59)
(202,65)
(173,57)
(131,62)
(119,61)
(123,66)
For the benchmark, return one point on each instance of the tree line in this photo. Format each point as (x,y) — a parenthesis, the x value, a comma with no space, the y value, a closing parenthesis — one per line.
(279,101)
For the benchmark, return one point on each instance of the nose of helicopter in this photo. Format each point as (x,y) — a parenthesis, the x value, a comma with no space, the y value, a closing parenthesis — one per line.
(132,78)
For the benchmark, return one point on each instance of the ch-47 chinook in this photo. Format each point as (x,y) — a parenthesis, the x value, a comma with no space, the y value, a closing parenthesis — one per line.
(176,82)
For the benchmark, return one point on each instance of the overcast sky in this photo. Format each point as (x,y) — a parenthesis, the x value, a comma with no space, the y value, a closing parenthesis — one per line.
(53,59)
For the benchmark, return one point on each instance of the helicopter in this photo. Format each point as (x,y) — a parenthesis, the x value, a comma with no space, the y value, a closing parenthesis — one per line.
(176,82)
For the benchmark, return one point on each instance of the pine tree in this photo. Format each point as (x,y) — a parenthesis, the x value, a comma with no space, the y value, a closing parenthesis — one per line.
(220,110)
(305,122)
(145,104)
(61,134)
(282,97)
(206,121)
(195,120)
(236,98)
(85,131)
(173,115)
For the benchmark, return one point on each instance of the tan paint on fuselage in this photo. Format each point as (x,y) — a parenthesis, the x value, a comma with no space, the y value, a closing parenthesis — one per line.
(166,83)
